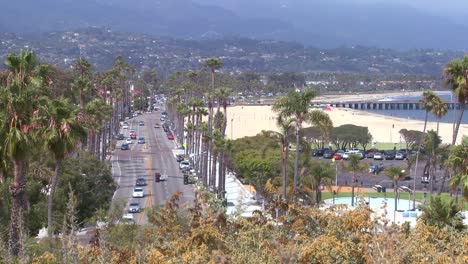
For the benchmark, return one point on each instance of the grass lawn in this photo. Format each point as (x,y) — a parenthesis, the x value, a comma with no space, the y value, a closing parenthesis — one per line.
(386,146)
(419,196)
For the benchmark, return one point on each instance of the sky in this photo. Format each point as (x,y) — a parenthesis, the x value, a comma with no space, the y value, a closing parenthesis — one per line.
(436,6)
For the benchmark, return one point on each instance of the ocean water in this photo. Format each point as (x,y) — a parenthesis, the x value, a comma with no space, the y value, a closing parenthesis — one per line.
(420,114)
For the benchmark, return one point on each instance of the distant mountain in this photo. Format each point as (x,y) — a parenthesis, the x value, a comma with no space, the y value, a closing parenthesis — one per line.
(330,23)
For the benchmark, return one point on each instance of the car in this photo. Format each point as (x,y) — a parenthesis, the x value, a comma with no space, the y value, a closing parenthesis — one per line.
(180,158)
(133,136)
(120,136)
(141,123)
(170,137)
(135,115)
(138,192)
(346,155)
(318,152)
(400,156)
(328,154)
(389,155)
(184,164)
(166,128)
(156,125)
(140,182)
(337,156)
(162,119)
(375,169)
(160,177)
(378,156)
(141,140)
(134,208)
(124,146)
(127,219)
(125,125)
(128,141)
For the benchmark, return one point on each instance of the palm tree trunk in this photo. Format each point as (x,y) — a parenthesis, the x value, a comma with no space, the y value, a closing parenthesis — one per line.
(296,159)
(213,168)
(352,189)
(395,193)
(17,208)
(50,202)
(284,159)
(457,126)
(417,159)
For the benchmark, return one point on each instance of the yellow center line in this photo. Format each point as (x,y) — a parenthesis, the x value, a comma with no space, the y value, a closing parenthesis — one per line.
(148,165)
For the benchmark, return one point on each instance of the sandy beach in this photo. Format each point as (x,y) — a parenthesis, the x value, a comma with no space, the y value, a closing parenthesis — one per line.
(250,120)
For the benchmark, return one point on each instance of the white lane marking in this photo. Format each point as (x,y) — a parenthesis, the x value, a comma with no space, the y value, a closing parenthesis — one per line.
(120,174)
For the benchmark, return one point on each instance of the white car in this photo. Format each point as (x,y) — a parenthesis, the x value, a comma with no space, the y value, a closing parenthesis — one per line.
(125,126)
(185,164)
(128,141)
(138,192)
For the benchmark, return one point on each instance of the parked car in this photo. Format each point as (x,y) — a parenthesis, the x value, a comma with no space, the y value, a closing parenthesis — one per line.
(124,146)
(389,155)
(128,141)
(138,192)
(370,153)
(328,154)
(134,208)
(140,182)
(318,152)
(141,140)
(378,156)
(375,169)
(337,156)
(184,164)
(400,156)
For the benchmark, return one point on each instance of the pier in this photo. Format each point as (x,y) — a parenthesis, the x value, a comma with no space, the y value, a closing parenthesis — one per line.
(382,105)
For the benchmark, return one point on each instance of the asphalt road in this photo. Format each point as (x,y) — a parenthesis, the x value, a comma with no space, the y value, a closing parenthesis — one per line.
(143,160)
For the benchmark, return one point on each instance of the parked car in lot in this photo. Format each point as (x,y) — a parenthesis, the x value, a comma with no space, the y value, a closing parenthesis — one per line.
(378,156)
(141,140)
(134,208)
(337,156)
(389,155)
(140,182)
(375,169)
(138,192)
(400,156)
(124,146)
(328,154)
(318,152)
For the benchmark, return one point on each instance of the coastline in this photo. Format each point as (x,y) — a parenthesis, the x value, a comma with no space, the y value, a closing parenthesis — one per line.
(371,96)
(251,120)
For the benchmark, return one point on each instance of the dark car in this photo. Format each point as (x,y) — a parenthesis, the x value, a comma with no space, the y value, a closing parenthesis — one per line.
(389,155)
(370,153)
(140,182)
(180,158)
(375,169)
(120,137)
(328,154)
(124,147)
(166,128)
(318,152)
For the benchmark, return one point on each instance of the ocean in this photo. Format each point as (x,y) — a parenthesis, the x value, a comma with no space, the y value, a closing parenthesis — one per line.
(420,114)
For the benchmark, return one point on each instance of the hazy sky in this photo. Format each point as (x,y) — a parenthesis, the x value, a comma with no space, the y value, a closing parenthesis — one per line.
(446,6)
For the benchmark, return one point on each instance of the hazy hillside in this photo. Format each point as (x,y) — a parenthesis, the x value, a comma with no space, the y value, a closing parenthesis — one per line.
(312,22)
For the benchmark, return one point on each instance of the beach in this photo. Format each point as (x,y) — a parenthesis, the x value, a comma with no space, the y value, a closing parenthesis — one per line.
(250,120)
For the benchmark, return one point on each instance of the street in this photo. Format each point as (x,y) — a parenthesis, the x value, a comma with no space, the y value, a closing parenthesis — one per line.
(143,161)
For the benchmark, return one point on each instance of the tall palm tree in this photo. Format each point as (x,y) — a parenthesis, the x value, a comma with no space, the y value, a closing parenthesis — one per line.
(353,165)
(396,174)
(296,104)
(426,103)
(283,138)
(456,77)
(62,134)
(20,100)
(315,173)
(439,110)
(458,164)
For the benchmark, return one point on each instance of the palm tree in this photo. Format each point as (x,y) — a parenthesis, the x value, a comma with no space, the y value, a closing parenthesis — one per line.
(62,134)
(296,104)
(458,163)
(426,103)
(20,99)
(314,173)
(396,174)
(456,77)
(285,126)
(439,110)
(354,166)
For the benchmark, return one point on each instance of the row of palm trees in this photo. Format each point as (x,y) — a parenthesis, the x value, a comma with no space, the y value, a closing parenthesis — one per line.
(32,118)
